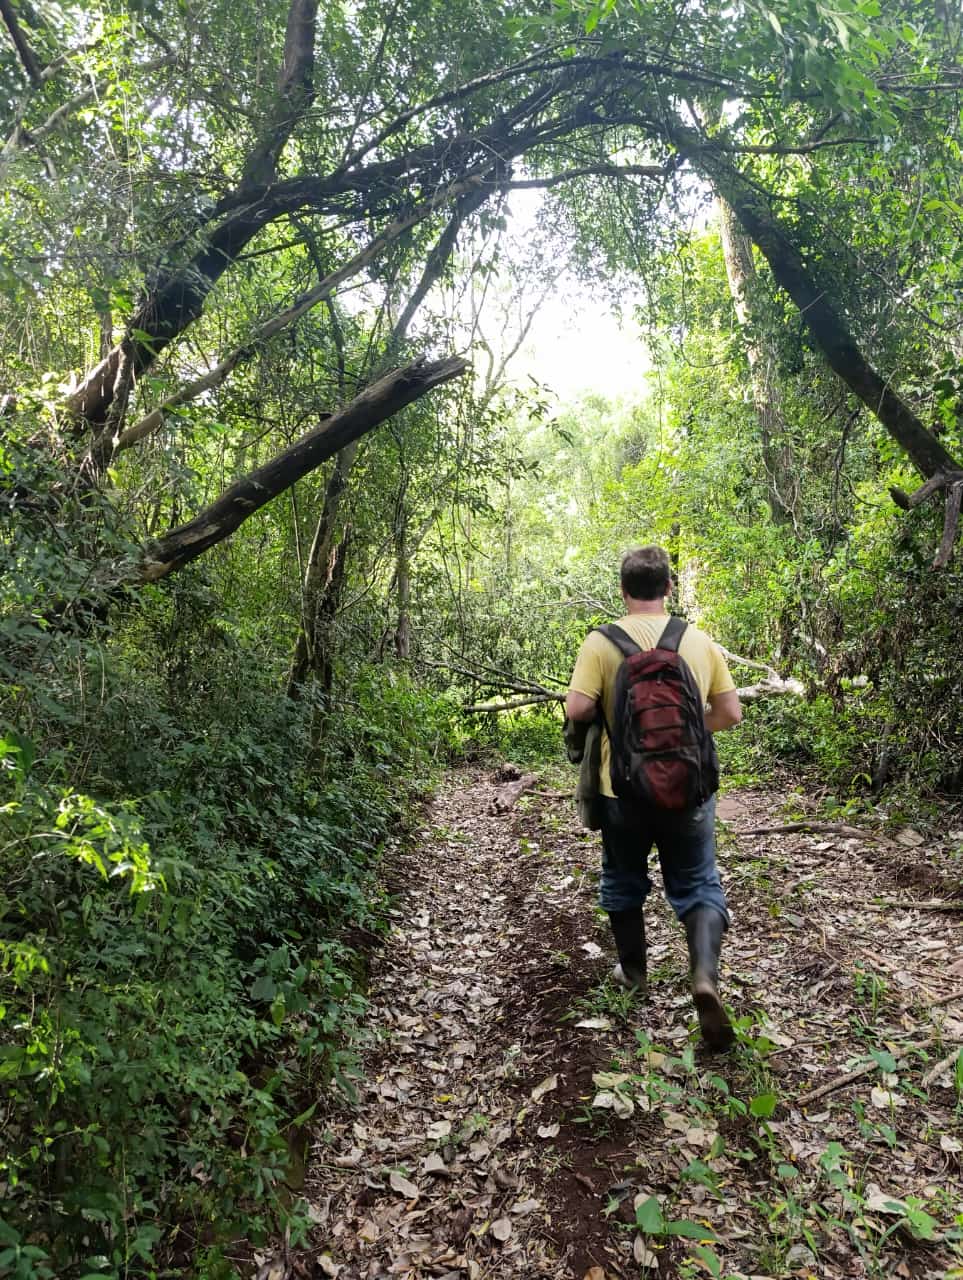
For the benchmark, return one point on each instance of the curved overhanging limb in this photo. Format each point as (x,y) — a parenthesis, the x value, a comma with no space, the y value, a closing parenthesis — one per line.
(952,483)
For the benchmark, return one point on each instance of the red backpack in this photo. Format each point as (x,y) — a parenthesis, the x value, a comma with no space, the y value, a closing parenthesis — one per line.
(663,756)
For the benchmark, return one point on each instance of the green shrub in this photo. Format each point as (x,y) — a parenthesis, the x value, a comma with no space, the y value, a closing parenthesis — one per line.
(530,736)
(174,988)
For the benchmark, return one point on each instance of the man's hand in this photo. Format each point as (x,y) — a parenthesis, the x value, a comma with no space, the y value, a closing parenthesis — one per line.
(725,711)
(579,706)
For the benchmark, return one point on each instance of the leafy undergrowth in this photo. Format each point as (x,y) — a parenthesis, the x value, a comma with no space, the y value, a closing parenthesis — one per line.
(176,984)
(521,1115)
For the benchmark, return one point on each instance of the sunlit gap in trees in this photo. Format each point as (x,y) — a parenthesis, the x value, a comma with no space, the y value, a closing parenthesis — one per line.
(578,341)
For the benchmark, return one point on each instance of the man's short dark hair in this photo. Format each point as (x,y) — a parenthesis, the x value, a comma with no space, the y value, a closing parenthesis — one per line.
(645,573)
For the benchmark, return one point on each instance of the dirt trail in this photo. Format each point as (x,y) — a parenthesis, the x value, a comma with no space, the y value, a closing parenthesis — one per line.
(519,1115)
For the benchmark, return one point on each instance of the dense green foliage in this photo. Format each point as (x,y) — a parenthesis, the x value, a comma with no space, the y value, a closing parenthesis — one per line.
(192,814)
(177,985)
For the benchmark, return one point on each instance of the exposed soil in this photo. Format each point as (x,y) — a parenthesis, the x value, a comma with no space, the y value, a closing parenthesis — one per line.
(517,1110)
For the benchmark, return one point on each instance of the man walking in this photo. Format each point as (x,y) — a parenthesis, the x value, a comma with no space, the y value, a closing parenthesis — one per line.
(684,837)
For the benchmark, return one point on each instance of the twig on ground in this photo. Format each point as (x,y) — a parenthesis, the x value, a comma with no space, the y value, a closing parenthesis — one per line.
(940,1066)
(838,1082)
(909,904)
(865,1069)
(947,999)
(800,1044)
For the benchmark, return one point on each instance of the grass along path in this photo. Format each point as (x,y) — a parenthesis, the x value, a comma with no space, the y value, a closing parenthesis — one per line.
(521,1116)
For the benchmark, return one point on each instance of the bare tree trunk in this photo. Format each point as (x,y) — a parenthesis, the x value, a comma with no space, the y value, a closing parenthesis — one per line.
(819,308)
(20,42)
(782,485)
(318,573)
(323,655)
(328,610)
(179,297)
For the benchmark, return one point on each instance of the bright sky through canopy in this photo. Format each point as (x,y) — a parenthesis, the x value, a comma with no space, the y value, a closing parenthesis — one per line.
(576,342)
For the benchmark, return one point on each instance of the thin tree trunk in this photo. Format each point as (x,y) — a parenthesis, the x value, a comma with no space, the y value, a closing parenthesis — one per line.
(402,585)
(324,649)
(318,582)
(782,487)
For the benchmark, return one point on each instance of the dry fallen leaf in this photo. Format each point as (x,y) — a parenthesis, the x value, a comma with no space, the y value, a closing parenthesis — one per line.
(675,1122)
(439,1129)
(879,1202)
(643,1254)
(521,1208)
(594,1273)
(610,1079)
(548,1130)
(547,1085)
(403,1186)
(950,1144)
(886,1098)
(434,1164)
(595,1024)
(350,1161)
(329,1266)
(910,838)
(612,1100)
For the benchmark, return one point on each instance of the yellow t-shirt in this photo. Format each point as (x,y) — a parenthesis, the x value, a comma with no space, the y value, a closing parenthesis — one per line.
(598,661)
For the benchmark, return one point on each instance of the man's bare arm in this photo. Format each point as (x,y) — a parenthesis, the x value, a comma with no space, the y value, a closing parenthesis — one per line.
(579,706)
(724,712)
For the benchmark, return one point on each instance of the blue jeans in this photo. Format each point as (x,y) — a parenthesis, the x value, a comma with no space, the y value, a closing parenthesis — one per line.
(686,843)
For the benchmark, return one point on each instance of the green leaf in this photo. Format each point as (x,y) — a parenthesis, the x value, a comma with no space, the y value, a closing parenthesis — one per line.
(689,1230)
(264,988)
(711,1260)
(763,1105)
(649,1217)
(884,1060)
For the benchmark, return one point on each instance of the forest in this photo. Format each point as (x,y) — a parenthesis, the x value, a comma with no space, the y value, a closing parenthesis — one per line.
(301,531)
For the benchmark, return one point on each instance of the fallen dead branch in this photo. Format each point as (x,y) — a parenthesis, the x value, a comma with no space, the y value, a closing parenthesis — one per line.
(907,904)
(839,1082)
(839,828)
(512,704)
(772,685)
(951,998)
(507,796)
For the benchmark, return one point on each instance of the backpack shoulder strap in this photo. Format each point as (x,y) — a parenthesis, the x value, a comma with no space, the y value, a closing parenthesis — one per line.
(671,637)
(621,639)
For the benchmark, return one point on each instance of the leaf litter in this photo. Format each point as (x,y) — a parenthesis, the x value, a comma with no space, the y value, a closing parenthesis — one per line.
(519,1116)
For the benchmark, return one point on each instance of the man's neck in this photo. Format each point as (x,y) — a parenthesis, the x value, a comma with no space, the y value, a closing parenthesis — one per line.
(645,606)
